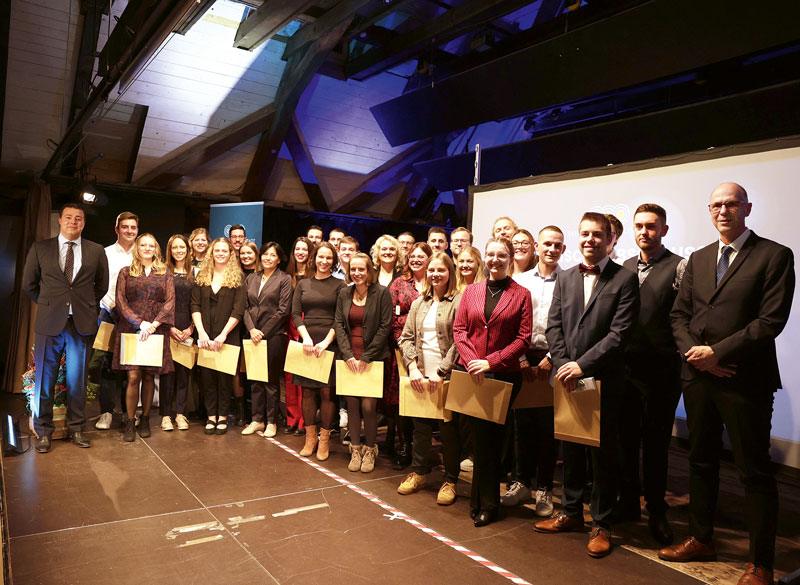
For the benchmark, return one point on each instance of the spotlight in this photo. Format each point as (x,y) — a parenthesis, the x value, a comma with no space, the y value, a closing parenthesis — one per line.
(88,197)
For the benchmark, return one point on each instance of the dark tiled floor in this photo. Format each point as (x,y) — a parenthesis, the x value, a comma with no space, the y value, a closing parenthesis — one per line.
(183,507)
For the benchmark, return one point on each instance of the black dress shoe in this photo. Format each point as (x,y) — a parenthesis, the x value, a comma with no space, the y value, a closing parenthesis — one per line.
(299,433)
(289,430)
(485,517)
(80,440)
(473,513)
(403,457)
(43,444)
(659,528)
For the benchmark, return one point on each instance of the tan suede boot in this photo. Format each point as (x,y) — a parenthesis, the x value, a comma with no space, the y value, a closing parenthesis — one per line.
(355,458)
(311,441)
(324,444)
(368,458)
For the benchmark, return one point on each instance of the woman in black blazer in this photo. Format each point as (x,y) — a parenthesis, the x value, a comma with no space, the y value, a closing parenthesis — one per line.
(269,300)
(218,303)
(362,324)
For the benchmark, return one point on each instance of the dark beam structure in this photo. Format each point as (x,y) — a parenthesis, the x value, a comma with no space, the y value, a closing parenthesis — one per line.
(5,23)
(647,42)
(262,24)
(316,189)
(341,12)
(453,23)
(758,115)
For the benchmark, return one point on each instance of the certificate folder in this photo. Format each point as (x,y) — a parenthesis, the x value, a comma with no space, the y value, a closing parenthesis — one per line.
(367,384)
(308,366)
(488,401)
(225,360)
(424,404)
(255,360)
(183,354)
(135,352)
(104,337)
(534,395)
(577,415)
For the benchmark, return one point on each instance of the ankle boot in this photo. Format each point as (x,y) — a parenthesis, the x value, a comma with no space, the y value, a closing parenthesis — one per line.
(129,434)
(323,450)
(356,452)
(368,458)
(311,441)
(144,426)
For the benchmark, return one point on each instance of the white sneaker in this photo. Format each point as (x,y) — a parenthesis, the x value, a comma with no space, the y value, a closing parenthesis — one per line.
(272,430)
(342,418)
(544,503)
(166,424)
(104,422)
(517,494)
(467,465)
(253,427)
(182,422)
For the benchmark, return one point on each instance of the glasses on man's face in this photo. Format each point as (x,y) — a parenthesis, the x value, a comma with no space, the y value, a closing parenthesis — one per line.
(716,208)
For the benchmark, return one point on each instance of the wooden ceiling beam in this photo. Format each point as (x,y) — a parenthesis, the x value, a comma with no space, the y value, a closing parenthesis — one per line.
(453,23)
(266,21)
(316,188)
(339,13)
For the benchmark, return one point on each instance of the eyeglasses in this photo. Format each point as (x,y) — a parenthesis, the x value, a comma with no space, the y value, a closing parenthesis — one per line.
(734,205)
(524,244)
(460,240)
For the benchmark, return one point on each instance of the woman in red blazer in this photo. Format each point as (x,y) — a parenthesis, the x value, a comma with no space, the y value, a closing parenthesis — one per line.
(492,331)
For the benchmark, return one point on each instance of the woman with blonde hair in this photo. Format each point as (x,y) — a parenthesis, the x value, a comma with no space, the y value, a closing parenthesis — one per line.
(524,254)
(470,268)
(388,258)
(176,383)
(198,242)
(145,301)
(218,303)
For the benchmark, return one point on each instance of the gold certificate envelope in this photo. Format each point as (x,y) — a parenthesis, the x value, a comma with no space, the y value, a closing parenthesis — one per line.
(225,360)
(577,415)
(105,333)
(308,366)
(184,354)
(367,384)
(488,401)
(255,360)
(424,404)
(135,352)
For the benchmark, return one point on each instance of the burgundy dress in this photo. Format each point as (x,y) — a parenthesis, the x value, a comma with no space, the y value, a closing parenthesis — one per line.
(404,292)
(145,298)
(356,318)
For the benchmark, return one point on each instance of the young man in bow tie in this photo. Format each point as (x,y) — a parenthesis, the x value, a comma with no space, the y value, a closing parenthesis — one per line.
(594,308)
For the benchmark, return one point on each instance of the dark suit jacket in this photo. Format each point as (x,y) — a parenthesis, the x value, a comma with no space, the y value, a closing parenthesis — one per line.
(741,317)
(269,310)
(44,282)
(377,323)
(505,337)
(594,336)
(231,302)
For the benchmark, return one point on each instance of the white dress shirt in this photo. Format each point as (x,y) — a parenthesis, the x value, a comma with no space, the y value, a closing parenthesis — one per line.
(77,256)
(589,280)
(118,259)
(541,288)
(736,246)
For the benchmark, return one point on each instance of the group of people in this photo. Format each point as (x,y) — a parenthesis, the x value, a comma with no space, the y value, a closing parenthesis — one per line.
(648,329)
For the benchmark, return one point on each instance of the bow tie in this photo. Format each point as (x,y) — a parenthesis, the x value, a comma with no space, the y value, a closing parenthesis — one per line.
(589,269)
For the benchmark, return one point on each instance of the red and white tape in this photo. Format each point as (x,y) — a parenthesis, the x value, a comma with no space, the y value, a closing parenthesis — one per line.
(398,515)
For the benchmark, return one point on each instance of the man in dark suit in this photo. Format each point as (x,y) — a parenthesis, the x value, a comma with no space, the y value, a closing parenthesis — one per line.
(66,277)
(734,301)
(652,372)
(594,309)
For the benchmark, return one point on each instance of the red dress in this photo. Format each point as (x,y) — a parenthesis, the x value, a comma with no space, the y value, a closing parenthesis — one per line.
(404,292)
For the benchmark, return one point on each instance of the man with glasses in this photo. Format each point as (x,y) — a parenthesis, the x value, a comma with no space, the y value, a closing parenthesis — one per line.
(460,238)
(734,300)
(237,236)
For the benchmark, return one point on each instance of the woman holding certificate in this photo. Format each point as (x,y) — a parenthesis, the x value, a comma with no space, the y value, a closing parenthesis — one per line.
(218,303)
(430,353)
(363,322)
(313,311)
(269,299)
(176,384)
(492,330)
(146,305)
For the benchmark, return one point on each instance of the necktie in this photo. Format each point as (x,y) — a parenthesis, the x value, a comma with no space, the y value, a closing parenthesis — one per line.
(69,262)
(584,269)
(723,263)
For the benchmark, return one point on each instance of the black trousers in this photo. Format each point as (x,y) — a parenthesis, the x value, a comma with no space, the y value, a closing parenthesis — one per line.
(112,383)
(450,435)
(217,389)
(487,447)
(174,385)
(534,446)
(745,409)
(647,413)
(265,396)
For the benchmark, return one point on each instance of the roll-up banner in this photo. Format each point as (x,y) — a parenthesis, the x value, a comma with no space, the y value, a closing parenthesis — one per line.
(225,215)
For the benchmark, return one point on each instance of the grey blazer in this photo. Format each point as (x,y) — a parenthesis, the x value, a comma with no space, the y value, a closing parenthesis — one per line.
(410,341)
(44,282)
(268,310)
(377,323)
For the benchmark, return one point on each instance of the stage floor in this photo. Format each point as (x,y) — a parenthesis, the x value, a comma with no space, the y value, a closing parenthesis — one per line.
(183,507)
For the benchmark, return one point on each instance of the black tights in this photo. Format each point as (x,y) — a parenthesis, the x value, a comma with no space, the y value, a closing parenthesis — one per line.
(132,392)
(326,409)
(355,408)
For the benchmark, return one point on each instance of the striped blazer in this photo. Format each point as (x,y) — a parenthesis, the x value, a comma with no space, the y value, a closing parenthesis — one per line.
(505,337)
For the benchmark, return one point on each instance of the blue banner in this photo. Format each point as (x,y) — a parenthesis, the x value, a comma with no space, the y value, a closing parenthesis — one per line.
(224,215)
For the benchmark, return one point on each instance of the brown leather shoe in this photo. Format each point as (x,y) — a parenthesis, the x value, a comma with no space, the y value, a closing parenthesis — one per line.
(561,523)
(755,575)
(689,549)
(599,543)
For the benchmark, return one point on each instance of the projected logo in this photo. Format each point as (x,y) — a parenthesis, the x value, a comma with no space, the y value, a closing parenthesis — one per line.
(227,230)
(623,212)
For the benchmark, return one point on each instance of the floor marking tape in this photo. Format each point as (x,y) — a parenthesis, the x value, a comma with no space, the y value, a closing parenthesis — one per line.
(398,515)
